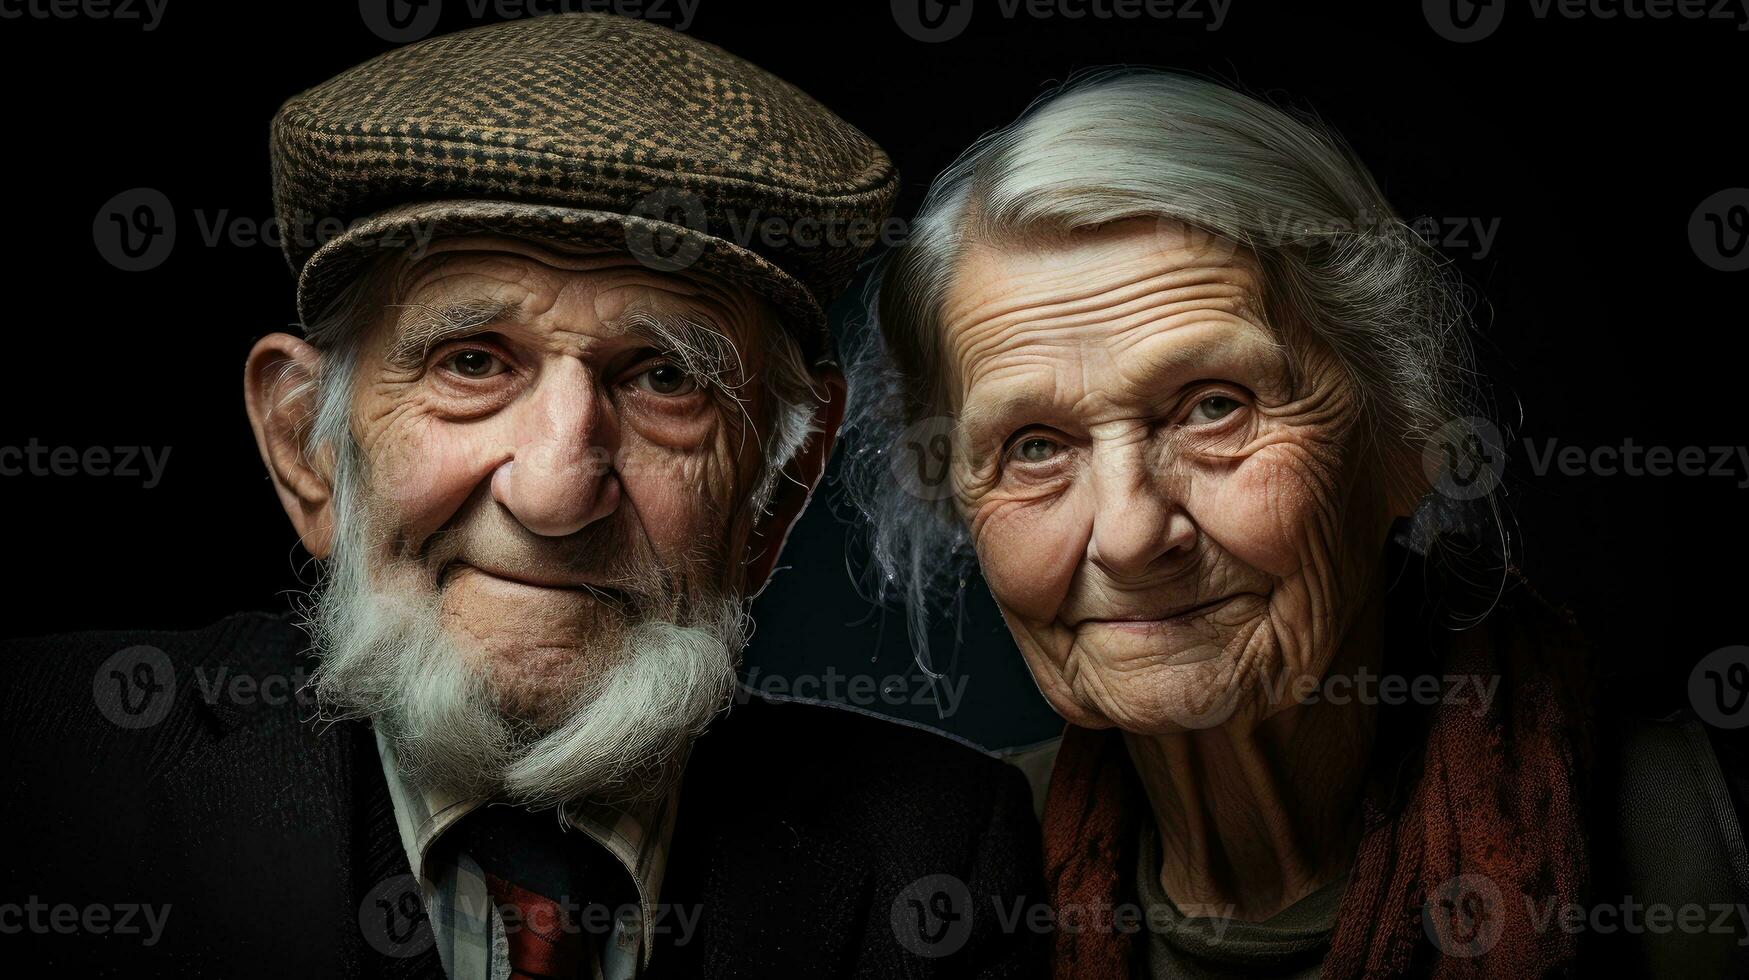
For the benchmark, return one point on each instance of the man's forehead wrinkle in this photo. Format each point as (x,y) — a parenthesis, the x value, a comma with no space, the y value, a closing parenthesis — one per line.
(448,280)
(610,280)
(498,268)
(730,312)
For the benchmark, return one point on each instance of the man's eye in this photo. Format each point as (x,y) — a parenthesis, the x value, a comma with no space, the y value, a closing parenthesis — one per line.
(1214,408)
(667,378)
(1036,449)
(474,363)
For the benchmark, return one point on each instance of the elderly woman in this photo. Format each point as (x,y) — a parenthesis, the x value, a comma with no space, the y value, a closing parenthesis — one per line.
(1205,413)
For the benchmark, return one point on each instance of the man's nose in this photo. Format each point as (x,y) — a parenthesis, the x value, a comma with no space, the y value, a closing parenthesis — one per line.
(561,478)
(1138,518)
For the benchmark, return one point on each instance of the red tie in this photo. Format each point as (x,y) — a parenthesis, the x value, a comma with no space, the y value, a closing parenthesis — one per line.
(541,876)
(546,945)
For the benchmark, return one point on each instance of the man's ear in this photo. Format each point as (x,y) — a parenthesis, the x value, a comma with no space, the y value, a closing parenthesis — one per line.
(279,390)
(795,485)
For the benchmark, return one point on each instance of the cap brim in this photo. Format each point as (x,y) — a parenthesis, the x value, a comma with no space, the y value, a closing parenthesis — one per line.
(661,245)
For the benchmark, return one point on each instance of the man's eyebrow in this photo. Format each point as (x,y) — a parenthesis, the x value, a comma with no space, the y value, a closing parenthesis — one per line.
(706,352)
(421,328)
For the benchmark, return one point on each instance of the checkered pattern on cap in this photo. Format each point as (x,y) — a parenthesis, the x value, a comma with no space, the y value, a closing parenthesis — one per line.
(583,128)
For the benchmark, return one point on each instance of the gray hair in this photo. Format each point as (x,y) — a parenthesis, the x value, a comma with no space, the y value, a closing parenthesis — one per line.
(384,653)
(386,656)
(788,379)
(1336,262)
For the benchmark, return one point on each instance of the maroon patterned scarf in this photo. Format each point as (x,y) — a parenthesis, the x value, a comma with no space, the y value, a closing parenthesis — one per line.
(1486,828)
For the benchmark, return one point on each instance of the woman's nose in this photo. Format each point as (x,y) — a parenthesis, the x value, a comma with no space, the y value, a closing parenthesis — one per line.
(1137,520)
(561,478)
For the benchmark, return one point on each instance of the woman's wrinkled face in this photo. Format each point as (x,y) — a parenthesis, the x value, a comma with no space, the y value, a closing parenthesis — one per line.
(1165,496)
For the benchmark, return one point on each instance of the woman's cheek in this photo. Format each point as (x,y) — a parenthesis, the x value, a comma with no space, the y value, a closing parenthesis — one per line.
(1263,512)
(1028,552)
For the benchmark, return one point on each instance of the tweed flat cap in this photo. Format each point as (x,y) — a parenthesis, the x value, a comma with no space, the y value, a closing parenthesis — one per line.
(581,129)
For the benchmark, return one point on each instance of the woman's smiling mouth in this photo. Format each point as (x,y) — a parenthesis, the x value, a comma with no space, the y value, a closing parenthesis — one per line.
(1169,620)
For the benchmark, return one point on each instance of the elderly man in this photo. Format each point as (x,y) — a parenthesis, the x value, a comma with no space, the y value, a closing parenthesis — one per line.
(545,439)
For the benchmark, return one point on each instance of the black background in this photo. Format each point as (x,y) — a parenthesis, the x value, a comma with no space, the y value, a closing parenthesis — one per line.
(1591,140)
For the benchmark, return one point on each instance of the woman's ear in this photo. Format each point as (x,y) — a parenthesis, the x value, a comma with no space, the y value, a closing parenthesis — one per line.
(279,390)
(796,484)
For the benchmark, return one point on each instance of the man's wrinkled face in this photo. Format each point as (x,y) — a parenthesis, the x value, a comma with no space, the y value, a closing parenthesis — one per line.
(536,449)
(1166,500)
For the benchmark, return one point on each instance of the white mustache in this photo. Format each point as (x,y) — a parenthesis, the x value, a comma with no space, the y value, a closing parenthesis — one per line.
(612,557)
(385,656)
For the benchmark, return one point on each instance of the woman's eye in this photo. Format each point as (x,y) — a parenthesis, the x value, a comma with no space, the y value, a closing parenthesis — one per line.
(1213,408)
(474,363)
(1036,449)
(667,379)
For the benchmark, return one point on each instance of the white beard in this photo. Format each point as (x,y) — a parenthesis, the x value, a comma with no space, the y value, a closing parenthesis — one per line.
(384,656)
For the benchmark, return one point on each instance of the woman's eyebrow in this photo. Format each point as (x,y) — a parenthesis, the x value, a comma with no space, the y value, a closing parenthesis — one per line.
(981,413)
(421,328)
(1161,372)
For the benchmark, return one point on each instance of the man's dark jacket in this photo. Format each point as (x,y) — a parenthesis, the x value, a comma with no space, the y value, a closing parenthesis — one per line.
(273,840)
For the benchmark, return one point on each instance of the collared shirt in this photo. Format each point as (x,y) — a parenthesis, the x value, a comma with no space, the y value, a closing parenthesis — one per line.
(464,919)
